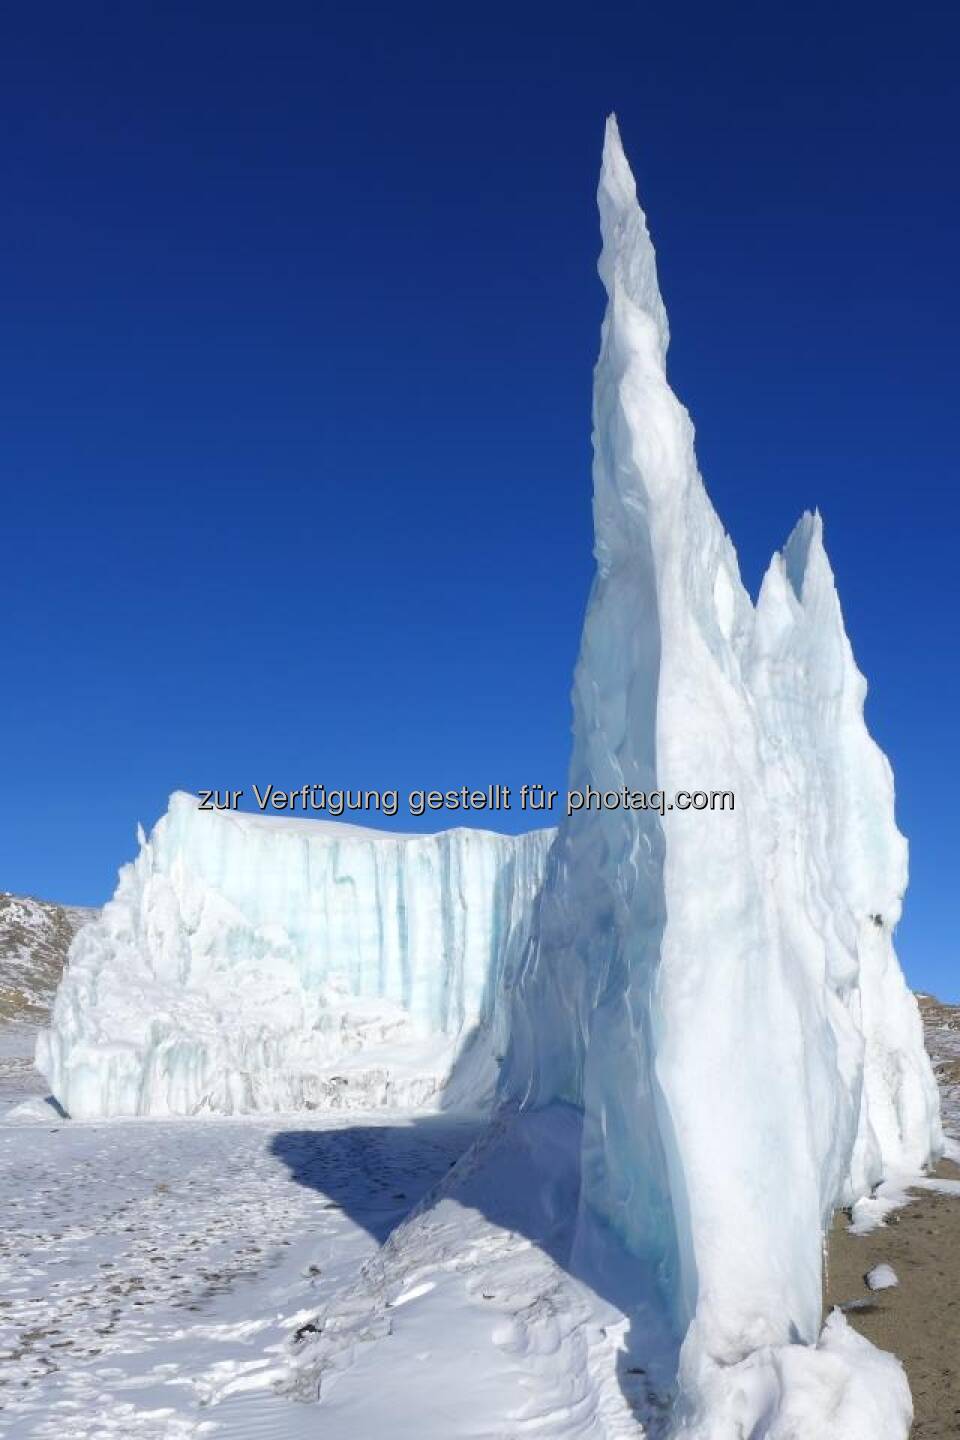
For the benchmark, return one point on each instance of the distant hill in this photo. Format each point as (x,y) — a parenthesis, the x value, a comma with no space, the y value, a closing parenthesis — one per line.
(941,1024)
(35,936)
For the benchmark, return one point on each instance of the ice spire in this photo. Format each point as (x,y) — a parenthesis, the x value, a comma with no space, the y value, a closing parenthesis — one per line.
(627,261)
(694,979)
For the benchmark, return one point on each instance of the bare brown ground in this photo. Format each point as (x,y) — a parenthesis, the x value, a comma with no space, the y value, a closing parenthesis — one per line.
(919,1319)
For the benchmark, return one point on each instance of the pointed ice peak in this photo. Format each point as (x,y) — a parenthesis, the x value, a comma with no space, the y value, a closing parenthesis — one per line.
(799,586)
(804,554)
(616,177)
(628,263)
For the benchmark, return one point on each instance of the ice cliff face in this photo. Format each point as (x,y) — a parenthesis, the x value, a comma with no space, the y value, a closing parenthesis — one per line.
(718,991)
(248,963)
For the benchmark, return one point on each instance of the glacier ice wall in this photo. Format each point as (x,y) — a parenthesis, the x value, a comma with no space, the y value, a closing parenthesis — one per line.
(717,990)
(251,962)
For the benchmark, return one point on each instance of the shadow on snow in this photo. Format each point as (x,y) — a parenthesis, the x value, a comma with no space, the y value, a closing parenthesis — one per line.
(521,1172)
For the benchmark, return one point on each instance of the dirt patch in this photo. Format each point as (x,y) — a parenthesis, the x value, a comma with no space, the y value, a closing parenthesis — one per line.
(918,1319)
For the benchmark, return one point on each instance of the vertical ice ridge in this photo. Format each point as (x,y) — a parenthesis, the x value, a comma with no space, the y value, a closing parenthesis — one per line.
(711,989)
(628,263)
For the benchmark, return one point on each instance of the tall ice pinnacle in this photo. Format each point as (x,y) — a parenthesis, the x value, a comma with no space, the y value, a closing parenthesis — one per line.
(717,989)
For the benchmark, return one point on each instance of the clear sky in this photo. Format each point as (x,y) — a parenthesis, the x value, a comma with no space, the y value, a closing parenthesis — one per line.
(299,315)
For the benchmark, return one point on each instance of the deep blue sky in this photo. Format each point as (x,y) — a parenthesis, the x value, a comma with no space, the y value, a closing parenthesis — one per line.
(299,314)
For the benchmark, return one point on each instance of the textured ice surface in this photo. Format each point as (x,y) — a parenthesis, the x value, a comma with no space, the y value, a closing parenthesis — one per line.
(248,962)
(718,991)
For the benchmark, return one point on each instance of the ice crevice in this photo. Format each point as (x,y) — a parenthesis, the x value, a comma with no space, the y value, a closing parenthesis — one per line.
(716,994)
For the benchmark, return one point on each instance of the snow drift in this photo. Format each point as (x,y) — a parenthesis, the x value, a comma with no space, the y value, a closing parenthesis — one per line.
(249,962)
(718,991)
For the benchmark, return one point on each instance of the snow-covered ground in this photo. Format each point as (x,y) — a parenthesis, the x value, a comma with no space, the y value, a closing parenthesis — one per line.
(215,1276)
(207,1277)
(151,1270)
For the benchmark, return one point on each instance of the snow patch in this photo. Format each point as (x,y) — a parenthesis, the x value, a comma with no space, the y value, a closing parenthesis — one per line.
(881,1277)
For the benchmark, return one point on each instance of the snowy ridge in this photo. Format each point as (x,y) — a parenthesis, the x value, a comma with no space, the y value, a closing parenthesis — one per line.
(720,994)
(250,963)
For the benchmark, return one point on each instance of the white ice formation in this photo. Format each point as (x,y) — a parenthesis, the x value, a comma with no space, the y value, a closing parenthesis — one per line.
(718,991)
(249,962)
(715,992)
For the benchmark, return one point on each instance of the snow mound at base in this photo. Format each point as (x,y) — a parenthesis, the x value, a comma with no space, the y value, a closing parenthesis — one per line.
(249,963)
(841,1388)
